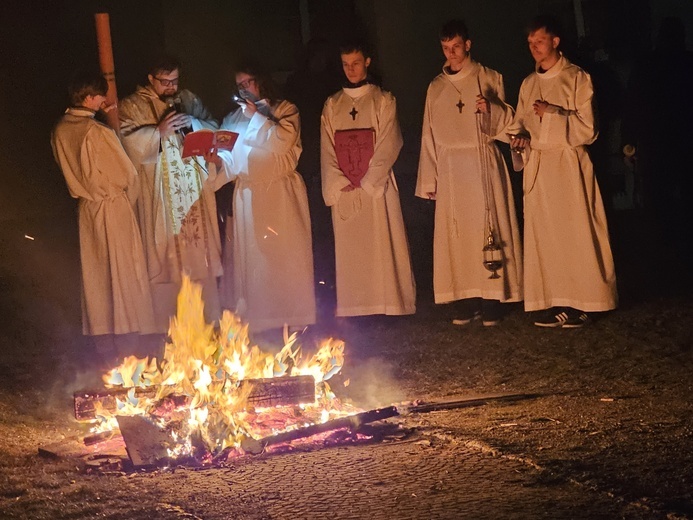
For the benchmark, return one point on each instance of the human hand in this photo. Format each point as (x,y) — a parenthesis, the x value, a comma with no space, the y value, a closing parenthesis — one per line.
(173,122)
(107,108)
(212,157)
(482,105)
(249,108)
(518,143)
(540,107)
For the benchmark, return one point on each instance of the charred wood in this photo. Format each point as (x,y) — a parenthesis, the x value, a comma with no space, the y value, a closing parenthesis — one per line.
(279,391)
(262,393)
(353,422)
(97,437)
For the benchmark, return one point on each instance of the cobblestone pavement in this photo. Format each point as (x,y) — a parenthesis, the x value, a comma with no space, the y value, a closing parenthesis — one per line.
(610,438)
(435,476)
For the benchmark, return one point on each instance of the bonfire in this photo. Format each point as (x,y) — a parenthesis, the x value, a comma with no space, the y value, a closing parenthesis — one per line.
(199,392)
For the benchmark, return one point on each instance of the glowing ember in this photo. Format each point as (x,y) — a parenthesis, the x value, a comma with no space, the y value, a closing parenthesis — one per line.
(206,366)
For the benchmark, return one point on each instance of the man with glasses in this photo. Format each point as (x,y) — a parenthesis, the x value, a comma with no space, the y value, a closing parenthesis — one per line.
(176,206)
(272,261)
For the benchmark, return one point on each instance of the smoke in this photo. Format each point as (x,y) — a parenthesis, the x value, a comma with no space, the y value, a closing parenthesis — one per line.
(372,383)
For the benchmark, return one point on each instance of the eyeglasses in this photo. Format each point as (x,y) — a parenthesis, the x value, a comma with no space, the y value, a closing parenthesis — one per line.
(167,82)
(245,84)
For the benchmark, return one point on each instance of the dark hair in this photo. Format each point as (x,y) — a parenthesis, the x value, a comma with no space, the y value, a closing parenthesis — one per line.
(547,22)
(354,45)
(265,83)
(86,83)
(454,28)
(164,63)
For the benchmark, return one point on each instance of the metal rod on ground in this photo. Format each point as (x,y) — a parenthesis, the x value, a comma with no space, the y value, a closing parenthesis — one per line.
(103,37)
(256,446)
(463,403)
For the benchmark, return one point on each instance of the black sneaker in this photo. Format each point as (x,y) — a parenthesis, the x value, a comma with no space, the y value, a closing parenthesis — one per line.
(554,317)
(491,312)
(576,319)
(460,322)
(466,310)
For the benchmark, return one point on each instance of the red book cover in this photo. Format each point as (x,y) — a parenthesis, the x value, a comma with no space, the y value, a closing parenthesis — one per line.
(225,139)
(354,149)
(202,141)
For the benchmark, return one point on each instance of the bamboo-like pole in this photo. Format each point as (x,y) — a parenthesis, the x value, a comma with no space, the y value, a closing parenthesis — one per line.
(103,37)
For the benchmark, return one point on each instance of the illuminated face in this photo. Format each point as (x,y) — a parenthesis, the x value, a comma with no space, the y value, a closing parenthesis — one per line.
(247,83)
(544,47)
(165,83)
(456,51)
(355,66)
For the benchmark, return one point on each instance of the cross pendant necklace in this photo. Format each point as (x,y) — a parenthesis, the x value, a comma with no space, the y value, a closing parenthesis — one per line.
(541,97)
(353,113)
(459,103)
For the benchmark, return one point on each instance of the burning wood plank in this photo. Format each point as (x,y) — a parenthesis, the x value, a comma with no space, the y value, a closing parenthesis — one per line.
(280,391)
(146,443)
(86,401)
(75,448)
(264,393)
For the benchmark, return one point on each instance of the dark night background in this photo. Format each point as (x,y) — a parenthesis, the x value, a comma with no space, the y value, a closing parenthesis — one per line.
(42,43)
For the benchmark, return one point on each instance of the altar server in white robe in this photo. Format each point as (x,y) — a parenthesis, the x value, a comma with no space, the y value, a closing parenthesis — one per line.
(373,266)
(176,205)
(569,268)
(462,169)
(272,245)
(115,288)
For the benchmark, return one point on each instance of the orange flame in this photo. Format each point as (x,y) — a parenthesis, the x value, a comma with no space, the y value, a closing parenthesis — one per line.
(207,366)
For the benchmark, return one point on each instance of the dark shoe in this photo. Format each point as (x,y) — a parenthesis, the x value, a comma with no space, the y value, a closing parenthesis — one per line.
(460,322)
(467,311)
(554,317)
(576,319)
(491,313)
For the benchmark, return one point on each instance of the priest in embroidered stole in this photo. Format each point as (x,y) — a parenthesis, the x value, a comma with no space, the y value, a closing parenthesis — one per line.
(176,206)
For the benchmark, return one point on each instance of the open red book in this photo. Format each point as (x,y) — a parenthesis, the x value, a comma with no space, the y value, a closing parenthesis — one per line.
(354,149)
(202,141)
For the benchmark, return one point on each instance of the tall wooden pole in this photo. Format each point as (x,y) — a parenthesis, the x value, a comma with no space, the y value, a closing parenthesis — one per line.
(103,37)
